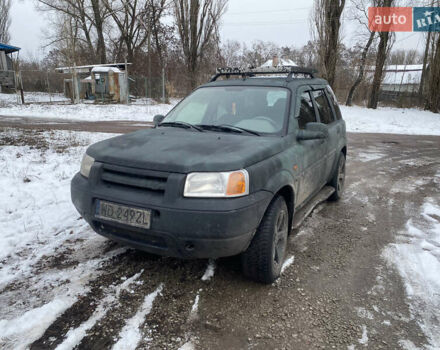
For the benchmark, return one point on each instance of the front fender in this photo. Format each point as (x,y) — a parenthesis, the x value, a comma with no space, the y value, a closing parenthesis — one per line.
(280,180)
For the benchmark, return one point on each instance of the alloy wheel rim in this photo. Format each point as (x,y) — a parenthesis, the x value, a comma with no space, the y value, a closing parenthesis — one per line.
(280,238)
(341,176)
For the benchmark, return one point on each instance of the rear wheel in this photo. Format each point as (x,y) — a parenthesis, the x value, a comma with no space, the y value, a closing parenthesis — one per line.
(263,260)
(338,180)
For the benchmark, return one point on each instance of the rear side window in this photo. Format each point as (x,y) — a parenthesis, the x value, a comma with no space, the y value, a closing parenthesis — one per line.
(306,111)
(334,102)
(324,109)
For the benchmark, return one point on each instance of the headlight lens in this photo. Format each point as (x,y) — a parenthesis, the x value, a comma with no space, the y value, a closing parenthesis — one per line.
(86,165)
(225,184)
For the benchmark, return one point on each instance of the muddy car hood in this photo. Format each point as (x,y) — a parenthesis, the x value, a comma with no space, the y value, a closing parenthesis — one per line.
(184,151)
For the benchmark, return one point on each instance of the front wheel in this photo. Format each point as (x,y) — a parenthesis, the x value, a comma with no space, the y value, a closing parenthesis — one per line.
(338,180)
(263,260)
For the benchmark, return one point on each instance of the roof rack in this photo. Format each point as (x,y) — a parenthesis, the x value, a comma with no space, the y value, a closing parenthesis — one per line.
(251,72)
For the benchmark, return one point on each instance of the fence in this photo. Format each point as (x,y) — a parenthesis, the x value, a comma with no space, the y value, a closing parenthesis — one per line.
(53,87)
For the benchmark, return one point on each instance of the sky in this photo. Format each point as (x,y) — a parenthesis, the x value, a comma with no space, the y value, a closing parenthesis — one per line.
(245,21)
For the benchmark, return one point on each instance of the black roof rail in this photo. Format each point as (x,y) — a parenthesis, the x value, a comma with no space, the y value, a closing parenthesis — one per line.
(251,72)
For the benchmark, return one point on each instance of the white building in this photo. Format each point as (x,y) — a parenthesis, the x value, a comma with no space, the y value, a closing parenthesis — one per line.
(399,79)
(278,62)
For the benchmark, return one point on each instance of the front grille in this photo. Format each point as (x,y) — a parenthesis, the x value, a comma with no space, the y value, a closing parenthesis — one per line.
(153,181)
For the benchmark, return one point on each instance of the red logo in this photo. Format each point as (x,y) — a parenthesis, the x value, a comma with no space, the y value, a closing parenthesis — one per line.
(390,19)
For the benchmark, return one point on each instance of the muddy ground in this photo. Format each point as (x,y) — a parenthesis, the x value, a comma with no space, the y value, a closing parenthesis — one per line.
(338,292)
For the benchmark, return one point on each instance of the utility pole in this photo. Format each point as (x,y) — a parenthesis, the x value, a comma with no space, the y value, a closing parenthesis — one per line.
(75,85)
(149,63)
(163,84)
(127,95)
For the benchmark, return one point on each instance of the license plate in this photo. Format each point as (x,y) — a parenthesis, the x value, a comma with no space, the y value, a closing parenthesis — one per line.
(122,214)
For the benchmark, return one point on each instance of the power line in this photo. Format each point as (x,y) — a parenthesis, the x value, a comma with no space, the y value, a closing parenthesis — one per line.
(296,21)
(269,11)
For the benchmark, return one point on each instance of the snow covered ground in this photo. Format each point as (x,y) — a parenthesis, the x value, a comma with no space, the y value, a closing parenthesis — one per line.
(49,256)
(141,110)
(35,199)
(32,97)
(358,119)
(386,120)
(416,255)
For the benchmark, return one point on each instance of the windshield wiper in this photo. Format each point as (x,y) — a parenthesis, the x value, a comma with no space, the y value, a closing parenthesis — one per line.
(181,125)
(227,128)
(237,128)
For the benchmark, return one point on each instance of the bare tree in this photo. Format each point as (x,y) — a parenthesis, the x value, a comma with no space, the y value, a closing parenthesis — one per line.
(157,9)
(360,15)
(5,21)
(325,28)
(128,15)
(89,16)
(197,22)
(384,46)
(231,54)
(433,96)
(361,72)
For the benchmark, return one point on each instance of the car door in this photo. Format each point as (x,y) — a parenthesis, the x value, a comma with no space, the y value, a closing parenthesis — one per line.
(327,117)
(312,152)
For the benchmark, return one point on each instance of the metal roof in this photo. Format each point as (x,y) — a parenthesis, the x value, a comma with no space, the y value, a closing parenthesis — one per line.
(8,48)
(88,68)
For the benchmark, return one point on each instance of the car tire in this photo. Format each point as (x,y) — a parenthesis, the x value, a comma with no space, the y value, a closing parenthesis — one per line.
(263,259)
(338,179)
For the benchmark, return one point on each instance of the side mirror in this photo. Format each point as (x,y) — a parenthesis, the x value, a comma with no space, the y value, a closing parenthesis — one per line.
(158,119)
(304,135)
(313,131)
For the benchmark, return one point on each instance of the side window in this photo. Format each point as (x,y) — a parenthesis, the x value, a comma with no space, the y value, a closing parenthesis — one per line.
(306,111)
(324,109)
(334,102)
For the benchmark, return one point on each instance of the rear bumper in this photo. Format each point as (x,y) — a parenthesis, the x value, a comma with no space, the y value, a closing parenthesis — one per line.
(203,230)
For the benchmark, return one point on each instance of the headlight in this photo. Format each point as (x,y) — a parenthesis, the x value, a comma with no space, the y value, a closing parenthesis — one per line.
(86,165)
(226,184)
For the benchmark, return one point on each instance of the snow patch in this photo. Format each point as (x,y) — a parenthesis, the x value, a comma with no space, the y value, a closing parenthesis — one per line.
(367,157)
(142,110)
(24,330)
(287,263)
(187,346)
(131,334)
(364,339)
(74,336)
(364,313)
(209,272)
(410,121)
(408,345)
(416,256)
(193,315)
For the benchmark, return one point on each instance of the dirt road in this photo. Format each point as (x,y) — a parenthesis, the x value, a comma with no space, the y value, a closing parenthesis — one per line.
(339,291)
(37,123)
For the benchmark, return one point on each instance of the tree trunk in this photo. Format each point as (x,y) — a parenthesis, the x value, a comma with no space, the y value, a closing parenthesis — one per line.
(433,101)
(361,70)
(380,62)
(425,63)
(99,24)
(333,12)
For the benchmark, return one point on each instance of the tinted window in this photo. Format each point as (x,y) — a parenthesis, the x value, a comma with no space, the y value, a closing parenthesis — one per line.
(334,102)
(306,111)
(324,109)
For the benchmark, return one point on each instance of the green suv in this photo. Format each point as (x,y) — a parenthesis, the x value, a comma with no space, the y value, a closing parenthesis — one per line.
(229,170)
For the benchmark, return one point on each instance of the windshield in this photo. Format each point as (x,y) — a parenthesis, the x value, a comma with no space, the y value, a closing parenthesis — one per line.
(259,109)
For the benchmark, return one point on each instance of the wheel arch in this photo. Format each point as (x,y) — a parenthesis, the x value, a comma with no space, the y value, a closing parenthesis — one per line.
(344,150)
(288,194)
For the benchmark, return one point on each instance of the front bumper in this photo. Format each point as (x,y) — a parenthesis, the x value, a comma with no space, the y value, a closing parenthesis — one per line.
(180,227)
